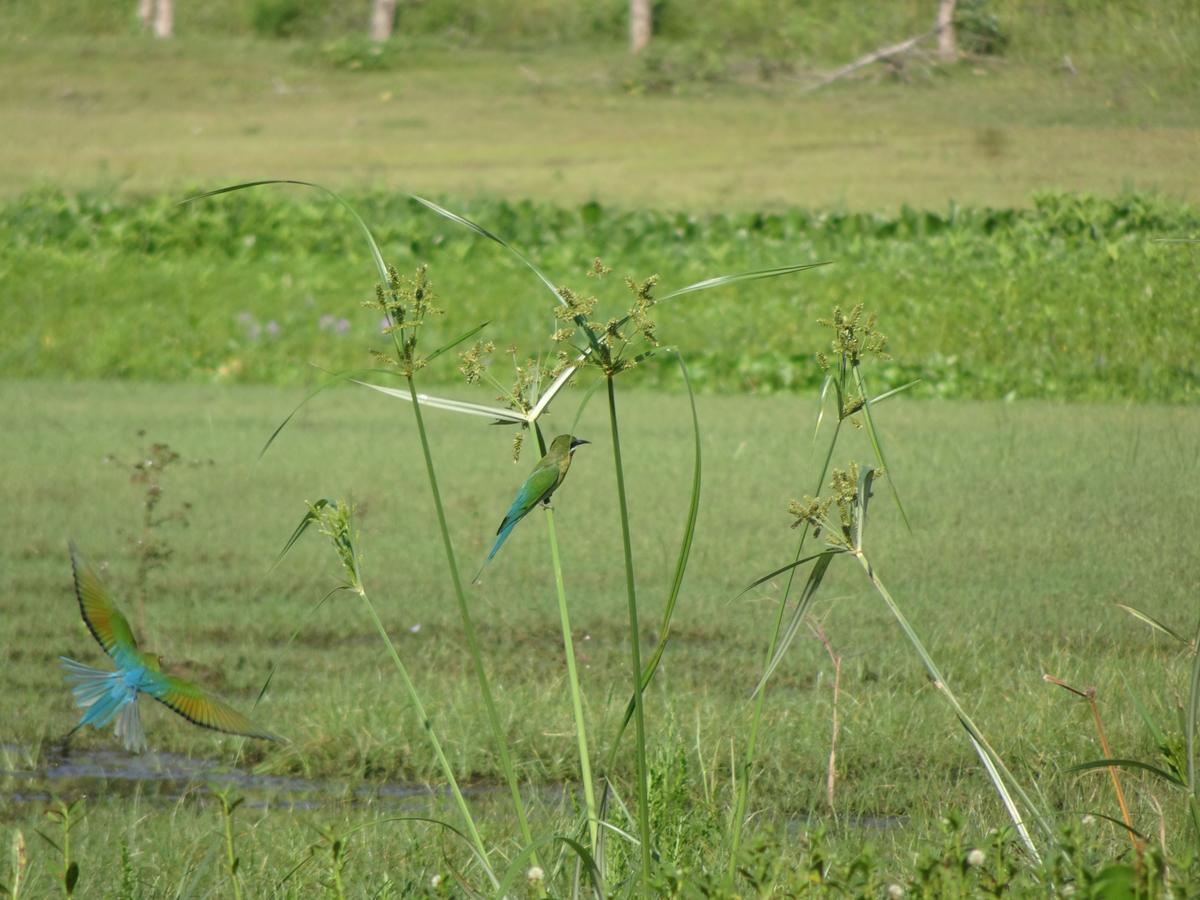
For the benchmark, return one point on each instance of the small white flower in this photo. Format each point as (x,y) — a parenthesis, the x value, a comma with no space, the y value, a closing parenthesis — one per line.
(895,891)
(435,881)
(1068,890)
(976,858)
(1089,819)
(535,875)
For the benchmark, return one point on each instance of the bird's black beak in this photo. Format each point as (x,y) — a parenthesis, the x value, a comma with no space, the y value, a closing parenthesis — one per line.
(575,442)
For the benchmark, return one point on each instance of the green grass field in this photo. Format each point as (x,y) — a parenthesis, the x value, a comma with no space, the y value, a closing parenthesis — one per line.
(1030,521)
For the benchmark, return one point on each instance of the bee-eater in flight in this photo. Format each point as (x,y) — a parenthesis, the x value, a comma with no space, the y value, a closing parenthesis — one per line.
(108,695)
(542,482)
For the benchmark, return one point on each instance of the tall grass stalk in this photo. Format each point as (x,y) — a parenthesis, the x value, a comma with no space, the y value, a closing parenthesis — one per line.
(564,615)
(426,725)
(506,765)
(229,805)
(635,653)
(334,520)
(745,770)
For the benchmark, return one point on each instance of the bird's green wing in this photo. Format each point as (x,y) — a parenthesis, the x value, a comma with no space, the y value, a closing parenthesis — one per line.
(200,707)
(110,629)
(541,482)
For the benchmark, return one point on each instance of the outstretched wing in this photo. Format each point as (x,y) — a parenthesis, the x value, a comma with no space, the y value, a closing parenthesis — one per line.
(200,707)
(110,629)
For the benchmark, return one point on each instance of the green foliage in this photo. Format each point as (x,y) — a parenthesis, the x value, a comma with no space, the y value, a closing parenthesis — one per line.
(285,18)
(1072,298)
(358,53)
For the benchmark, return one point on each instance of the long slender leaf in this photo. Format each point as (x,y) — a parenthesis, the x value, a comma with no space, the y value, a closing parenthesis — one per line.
(681,561)
(865,480)
(894,391)
(792,565)
(458,340)
(461,406)
(288,643)
(1153,622)
(820,567)
(1014,812)
(1127,764)
(310,518)
(483,232)
(380,265)
(519,862)
(1193,712)
(821,404)
(321,388)
(1116,821)
(876,443)
(722,280)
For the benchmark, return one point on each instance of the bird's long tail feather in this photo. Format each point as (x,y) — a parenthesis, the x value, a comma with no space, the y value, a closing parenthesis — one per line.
(94,692)
(129,728)
(506,528)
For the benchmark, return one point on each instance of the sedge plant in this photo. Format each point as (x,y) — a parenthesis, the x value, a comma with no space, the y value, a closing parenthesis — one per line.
(841,519)
(855,341)
(335,521)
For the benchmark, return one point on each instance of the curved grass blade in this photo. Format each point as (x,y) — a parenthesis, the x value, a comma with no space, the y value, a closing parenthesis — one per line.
(1128,764)
(479,858)
(787,568)
(821,404)
(288,643)
(1124,825)
(335,380)
(876,444)
(380,265)
(458,340)
(311,517)
(1153,622)
(820,567)
(685,550)
(863,497)
(894,391)
(587,397)
(722,280)
(461,406)
(1193,712)
(517,867)
(483,232)
(1014,812)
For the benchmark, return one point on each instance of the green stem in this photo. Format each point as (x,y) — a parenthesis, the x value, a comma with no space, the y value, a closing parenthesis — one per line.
(230,857)
(634,649)
(743,784)
(427,725)
(564,615)
(1001,777)
(506,765)
(585,763)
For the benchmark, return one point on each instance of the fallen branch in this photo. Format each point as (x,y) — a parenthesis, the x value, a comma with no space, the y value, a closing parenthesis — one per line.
(882,54)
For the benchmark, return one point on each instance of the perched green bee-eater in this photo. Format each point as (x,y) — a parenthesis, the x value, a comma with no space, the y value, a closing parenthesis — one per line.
(543,481)
(108,695)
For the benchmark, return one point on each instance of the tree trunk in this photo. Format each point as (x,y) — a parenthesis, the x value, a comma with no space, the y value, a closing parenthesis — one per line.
(164,19)
(383,17)
(947,46)
(640,25)
(146,12)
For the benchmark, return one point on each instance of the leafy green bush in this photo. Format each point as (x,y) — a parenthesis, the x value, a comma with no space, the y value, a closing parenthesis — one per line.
(286,18)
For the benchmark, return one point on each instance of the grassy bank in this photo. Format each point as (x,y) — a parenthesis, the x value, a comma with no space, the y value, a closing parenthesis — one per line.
(570,124)
(1074,299)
